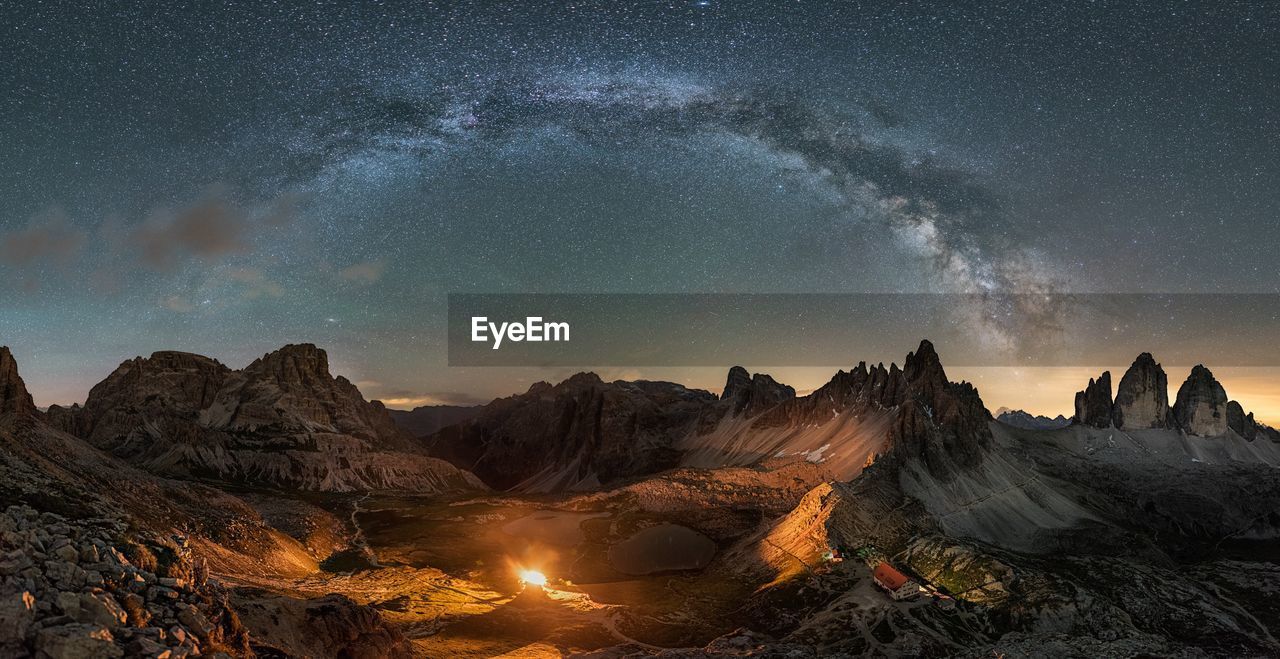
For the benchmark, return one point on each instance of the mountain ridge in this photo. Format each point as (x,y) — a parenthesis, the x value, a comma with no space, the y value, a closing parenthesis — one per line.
(282,421)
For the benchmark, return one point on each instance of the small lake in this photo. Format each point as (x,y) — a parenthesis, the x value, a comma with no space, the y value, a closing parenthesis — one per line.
(662,548)
(553,527)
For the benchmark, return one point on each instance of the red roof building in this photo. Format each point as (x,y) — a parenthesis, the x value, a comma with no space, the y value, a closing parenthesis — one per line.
(900,587)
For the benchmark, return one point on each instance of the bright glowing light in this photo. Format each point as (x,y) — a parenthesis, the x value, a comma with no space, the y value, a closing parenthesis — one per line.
(533,577)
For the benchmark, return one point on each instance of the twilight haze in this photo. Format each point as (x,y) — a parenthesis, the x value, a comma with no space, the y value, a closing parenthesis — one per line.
(225,179)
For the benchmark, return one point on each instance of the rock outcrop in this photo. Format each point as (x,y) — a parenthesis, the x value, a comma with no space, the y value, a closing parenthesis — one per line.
(578,434)
(1094,404)
(855,419)
(1243,424)
(1201,405)
(290,391)
(943,423)
(330,626)
(14,398)
(751,394)
(1142,397)
(284,421)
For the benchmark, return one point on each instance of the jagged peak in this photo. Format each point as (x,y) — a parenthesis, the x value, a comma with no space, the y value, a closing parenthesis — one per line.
(14,397)
(181,357)
(582,379)
(1093,406)
(924,362)
(1142,396)
(1201,372)
(301,361)
(1201,405)
(738,380)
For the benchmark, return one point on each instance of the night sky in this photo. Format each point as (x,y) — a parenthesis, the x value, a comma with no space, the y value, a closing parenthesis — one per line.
(226,178)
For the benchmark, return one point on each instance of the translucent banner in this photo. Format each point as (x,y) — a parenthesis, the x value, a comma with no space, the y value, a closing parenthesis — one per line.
(839,329)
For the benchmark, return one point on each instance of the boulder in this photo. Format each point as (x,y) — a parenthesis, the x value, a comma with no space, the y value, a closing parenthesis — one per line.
(17,613)
(100,608)
(77,641)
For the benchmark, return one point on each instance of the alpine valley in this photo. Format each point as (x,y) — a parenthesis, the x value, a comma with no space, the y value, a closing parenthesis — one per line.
(188,508)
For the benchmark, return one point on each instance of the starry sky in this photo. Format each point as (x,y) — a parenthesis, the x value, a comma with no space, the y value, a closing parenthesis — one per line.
(226,178)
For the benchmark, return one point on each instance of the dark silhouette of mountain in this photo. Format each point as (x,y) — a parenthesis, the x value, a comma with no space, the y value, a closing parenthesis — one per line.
(578,434)
(583,433)
(425,420)
(1202,407)
(1022,419)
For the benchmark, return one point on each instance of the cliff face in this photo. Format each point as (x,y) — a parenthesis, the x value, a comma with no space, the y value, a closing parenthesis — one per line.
(1093,405)
(284,421)
(1201,407)
(859,417)
(1243,424)
(14,398)
(577,434)
(749,394)
(943,423)
(291,390)
(1142,398)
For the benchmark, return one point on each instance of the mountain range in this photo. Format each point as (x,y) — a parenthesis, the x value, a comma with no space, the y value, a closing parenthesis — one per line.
(191,507)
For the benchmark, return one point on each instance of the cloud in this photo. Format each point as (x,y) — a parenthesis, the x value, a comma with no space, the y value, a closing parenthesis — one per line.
(365,273)
(177,304)
(208,229)
(48,237)
(255,284)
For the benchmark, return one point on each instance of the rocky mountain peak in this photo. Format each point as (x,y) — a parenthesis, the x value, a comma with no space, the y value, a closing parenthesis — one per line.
(739,380)
(1201,405)
(1243,424)
(283,421)
(168,383)
(1093,405)
(1142,398)
(943,424)
(579,433)
(585,379)
(302,363)
(924,365)
(14,397)
(753,393)
(176,360)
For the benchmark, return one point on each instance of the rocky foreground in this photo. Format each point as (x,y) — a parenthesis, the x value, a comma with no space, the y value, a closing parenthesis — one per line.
(80,589)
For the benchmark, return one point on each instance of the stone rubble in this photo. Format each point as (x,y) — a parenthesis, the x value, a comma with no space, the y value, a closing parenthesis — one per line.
(68,591)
